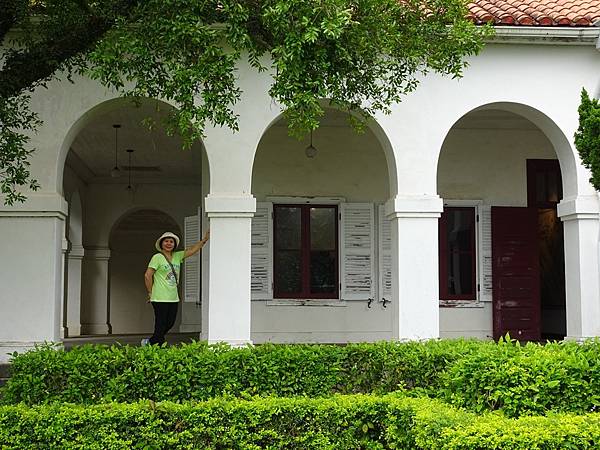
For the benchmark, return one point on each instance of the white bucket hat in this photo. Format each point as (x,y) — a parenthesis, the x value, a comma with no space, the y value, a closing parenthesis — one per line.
(168,234)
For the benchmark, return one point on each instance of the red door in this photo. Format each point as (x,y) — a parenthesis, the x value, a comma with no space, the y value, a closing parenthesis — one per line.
(515,273)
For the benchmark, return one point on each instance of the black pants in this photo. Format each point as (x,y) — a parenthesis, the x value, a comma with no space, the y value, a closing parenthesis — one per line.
(164,318)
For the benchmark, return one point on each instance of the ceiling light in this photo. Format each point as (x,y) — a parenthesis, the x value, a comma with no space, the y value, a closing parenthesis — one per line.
(115,172)
(129,151)
(310,151)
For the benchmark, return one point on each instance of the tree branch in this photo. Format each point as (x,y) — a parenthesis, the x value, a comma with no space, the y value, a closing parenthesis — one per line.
(24,70)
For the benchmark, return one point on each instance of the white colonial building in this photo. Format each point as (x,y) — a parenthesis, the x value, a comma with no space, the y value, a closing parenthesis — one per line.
(465,212)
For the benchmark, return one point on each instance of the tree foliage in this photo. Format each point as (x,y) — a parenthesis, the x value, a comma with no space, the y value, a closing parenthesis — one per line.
(361,55)
(587,137)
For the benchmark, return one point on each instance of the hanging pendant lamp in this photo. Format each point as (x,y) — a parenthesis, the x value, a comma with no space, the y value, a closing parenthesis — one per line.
(310,151)
(115,172)
(129,152)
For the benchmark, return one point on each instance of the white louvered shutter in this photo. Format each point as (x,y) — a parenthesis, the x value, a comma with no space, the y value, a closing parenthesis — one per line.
(191,279)
(261,283)
(485,252)
(385,256)
(357,251)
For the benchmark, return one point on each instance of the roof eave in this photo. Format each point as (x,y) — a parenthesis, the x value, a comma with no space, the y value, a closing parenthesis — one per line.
(547,35)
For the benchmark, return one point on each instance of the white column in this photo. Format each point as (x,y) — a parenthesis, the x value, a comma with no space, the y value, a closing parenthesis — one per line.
(95,291)
(73,313)
(32,273)
(580,220)
(415,271)
(226,315)
(63,320)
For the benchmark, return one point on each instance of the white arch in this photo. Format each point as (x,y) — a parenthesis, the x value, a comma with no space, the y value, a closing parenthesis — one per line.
(123,214)
(573,185)
(373,126)
(134,209)
(97,107)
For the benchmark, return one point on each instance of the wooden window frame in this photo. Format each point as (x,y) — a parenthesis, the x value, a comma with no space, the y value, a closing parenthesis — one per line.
(535,166)
(305,252)
(443,264)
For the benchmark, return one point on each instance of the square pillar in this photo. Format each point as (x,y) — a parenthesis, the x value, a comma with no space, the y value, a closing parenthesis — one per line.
(32,277)
(226,314)
(95,311)
(415,270)
(73,306)
(582,271)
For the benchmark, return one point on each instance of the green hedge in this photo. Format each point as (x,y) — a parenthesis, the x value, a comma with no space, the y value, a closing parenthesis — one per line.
(339,422)
(90,374)
(479,376)
(526,380)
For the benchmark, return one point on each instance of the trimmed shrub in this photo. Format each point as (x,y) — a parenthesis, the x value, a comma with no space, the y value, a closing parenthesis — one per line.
(291,423)
(197,371)
(496,432)
(479,376)
(338,422)
(526,380)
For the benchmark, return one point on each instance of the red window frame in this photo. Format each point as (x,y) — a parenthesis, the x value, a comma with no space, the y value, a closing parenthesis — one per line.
(305,293)
(443,252)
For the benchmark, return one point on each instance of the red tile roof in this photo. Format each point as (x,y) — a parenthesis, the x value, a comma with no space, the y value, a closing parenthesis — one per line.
(574,13)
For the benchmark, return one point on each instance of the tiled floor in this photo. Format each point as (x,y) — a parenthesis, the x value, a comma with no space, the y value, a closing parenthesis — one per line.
(126,339)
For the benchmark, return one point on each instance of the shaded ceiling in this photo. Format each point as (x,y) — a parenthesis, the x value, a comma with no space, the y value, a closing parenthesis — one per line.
(494,119)
(156,157)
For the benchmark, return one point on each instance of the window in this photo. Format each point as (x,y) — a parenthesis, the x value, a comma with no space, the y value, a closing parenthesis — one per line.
(457,254)
(544,183)
(305,251)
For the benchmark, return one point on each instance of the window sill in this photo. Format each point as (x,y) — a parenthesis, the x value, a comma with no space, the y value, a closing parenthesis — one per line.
(306,302)
(461,304)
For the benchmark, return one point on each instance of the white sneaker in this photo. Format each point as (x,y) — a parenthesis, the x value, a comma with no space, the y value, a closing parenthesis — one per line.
(145,342)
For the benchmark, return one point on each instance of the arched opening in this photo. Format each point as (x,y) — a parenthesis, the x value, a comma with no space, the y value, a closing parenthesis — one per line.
(501,241)
(131,247)
(120,171)
(320,238)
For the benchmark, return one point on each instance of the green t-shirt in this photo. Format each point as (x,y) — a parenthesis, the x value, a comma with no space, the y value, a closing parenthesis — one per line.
(164,287)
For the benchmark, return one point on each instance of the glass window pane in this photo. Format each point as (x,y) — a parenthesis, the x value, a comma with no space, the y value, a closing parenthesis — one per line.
(288,233)
(323,255)
(322,272)
(322,228)
(288,273)
(460,230)
(457,257)
(460,274)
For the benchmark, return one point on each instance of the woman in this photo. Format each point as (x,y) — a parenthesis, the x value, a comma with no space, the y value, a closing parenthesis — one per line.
(161,279)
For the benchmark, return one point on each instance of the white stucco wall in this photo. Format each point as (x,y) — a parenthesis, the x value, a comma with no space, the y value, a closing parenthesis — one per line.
(347,165)
(541,82)
(31,278)
(489,165)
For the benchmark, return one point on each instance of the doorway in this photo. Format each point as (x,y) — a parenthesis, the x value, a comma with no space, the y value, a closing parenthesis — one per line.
(528,263)
(544,191)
